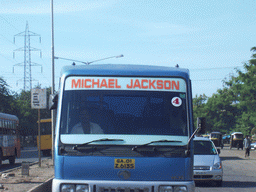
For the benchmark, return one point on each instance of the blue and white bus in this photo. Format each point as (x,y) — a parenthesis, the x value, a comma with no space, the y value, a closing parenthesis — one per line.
(140,128)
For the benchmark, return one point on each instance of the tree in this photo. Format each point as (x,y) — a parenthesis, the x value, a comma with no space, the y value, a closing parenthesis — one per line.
(243,92)
(232,108)
(246,89)
(7,104)
(222,111)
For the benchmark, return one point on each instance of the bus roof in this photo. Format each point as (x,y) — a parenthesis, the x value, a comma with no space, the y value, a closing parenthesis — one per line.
(8,116)
(125,70)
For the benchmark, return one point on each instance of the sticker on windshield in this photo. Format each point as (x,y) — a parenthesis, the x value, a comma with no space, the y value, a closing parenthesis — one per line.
(176,101)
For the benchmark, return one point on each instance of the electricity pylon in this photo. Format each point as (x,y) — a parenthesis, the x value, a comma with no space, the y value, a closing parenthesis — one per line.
(27,56)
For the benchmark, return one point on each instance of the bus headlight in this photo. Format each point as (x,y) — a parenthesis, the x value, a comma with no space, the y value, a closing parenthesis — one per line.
(68,188)
(173,189)
(180,189)
(82,188)
(165,189)
(74,188)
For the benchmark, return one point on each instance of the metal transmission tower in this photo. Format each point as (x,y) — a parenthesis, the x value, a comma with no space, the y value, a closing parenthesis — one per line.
(27,56)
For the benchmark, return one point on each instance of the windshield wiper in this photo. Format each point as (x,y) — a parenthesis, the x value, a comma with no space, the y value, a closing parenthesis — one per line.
(158,141)
(97,140)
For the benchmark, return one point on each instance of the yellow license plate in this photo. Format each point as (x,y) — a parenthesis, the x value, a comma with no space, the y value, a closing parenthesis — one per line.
(124,163)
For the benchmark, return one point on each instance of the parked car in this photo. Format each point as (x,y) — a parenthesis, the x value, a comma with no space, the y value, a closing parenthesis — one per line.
(207,163)
(253,146)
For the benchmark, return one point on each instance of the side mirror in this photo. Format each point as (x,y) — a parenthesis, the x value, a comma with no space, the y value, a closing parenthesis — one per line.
(53,101)
(201,122)
(218,151)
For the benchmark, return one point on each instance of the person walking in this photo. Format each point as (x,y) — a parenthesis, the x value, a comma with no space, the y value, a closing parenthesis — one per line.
(247,146)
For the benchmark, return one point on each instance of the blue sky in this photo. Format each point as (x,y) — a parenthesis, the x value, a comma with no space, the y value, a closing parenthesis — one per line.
(210,38)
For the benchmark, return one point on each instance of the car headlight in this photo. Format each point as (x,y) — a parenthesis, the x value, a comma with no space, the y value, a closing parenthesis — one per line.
(217,165)
(74,188)
(172,189)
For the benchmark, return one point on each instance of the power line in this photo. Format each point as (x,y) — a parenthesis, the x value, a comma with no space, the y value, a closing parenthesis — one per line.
(9,23)
(213,68)
(208,79)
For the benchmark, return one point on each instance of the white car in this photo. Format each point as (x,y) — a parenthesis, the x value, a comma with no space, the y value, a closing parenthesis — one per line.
(207,163)
(253,146)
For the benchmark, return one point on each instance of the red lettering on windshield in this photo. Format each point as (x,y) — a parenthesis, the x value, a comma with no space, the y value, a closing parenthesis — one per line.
(136,83)
(75,84)
(103,83)
(130,86)
(97,82)
(142,83)
(85,83)
(133,84)
(117,86)
(151,84)
(177,86)
(160,84)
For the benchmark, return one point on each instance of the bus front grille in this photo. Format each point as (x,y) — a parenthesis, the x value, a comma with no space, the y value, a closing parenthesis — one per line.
(102,189)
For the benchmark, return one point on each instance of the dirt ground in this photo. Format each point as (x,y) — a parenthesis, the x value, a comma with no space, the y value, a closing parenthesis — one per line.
(17,180)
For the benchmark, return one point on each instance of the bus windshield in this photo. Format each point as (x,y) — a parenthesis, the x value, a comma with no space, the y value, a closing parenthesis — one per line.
(124,112)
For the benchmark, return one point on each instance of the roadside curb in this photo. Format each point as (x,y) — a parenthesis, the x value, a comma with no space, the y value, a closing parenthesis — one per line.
(44,187)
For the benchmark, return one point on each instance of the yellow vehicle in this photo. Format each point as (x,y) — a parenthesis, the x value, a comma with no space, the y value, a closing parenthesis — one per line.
(216,138)
(46,136)
(206,136)
(236,140)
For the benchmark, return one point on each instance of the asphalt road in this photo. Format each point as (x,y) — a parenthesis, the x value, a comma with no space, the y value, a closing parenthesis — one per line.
(239,172)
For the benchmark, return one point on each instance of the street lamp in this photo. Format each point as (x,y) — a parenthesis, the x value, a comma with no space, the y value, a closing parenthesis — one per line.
(88,63)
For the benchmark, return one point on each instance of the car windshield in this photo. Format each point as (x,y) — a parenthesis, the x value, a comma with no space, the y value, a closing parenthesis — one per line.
(125,112)
(204,148)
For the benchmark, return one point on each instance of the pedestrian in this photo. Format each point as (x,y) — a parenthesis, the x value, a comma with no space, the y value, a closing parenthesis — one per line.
(247,146)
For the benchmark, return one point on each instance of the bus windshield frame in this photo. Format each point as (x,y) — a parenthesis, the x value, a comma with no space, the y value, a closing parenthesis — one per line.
(135,116)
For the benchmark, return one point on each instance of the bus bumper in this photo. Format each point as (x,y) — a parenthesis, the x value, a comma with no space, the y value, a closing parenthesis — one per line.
(116,186)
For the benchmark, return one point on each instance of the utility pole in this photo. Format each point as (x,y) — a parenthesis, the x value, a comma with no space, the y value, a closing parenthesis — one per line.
(53,112)
(27,57)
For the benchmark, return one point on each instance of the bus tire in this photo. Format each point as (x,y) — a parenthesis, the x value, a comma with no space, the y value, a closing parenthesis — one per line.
(12,160)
